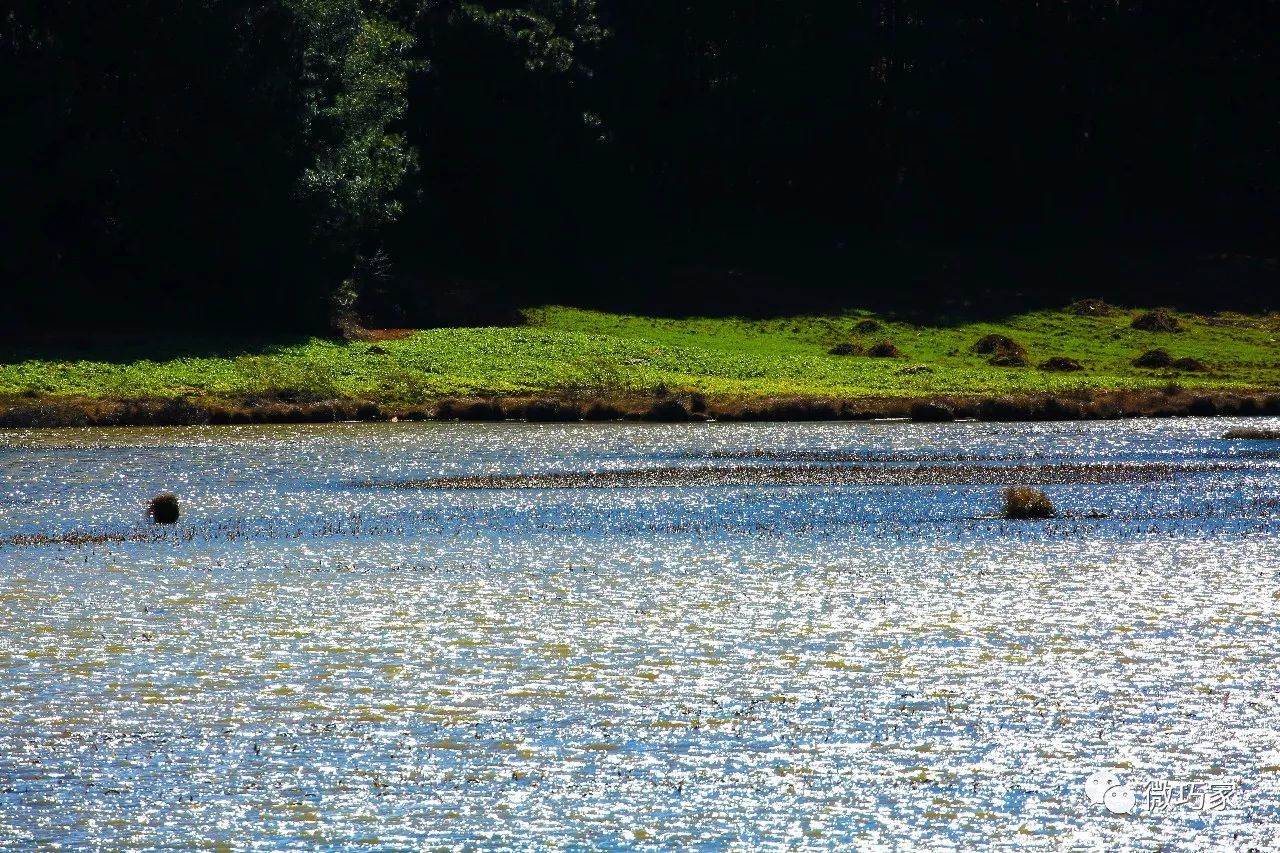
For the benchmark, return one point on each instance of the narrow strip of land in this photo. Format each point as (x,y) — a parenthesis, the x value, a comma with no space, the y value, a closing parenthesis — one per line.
(823,475)
(567,364)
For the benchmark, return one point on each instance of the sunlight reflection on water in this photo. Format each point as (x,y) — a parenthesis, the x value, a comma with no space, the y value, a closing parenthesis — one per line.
(303,662)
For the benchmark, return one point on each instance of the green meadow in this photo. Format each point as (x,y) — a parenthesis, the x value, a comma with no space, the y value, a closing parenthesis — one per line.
(571,351)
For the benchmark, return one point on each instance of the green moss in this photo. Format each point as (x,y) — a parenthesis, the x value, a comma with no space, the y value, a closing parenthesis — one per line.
(566,349)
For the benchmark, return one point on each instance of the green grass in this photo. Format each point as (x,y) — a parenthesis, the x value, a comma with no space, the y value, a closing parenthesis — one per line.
(570,350)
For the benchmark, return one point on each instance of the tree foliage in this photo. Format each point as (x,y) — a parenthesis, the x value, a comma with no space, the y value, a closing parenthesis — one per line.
(250,156)
(229,153)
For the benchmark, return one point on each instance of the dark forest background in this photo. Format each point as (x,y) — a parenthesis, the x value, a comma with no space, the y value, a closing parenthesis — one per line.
(281,163)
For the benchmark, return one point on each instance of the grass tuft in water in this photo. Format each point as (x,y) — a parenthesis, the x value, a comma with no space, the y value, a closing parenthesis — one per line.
(1024,502)
(163,508)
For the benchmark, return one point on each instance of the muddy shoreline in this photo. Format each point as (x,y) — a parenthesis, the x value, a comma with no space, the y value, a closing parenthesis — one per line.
(48,412)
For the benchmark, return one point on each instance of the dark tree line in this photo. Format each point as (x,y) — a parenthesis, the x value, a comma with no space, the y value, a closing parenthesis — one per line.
(230,162)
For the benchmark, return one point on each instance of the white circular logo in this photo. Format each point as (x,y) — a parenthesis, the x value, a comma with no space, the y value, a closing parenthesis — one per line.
(1104,788)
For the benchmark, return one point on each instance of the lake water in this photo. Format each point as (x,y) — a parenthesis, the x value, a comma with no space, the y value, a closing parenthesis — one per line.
(368,635)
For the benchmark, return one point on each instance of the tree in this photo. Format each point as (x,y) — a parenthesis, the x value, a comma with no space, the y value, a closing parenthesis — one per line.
(199,161)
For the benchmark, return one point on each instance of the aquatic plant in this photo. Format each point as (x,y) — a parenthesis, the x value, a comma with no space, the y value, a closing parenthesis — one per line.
(163,508)
(1026,503)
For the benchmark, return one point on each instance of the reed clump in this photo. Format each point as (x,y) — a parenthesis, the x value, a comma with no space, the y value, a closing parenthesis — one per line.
(163,508)
(1026,503)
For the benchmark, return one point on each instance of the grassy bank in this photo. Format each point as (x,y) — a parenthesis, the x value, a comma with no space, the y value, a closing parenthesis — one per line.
(571,354)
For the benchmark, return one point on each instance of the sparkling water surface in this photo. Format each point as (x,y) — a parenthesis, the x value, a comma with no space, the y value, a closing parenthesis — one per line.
(307,661)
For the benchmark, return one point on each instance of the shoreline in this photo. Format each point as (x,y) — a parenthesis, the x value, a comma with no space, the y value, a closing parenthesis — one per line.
(26,412)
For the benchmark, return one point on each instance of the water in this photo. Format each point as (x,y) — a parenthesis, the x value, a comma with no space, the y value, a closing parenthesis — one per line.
(312,660)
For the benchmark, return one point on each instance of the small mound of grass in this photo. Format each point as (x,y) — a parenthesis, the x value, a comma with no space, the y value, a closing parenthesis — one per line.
(1153,358)
(866,327)
(1253,434)
(1158,320)
(1190,365)
(885,349)
(846,348)
(163,508)
(1090,308)
(1026,503)
(998,345)
(1061,364)
(1008,359)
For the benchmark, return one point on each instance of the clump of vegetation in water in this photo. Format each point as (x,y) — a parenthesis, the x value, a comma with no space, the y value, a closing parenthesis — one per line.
(1024,502)
(1253,434)
(163,508)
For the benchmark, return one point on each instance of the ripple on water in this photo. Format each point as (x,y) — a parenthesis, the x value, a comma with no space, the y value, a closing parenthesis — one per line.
(749,665)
